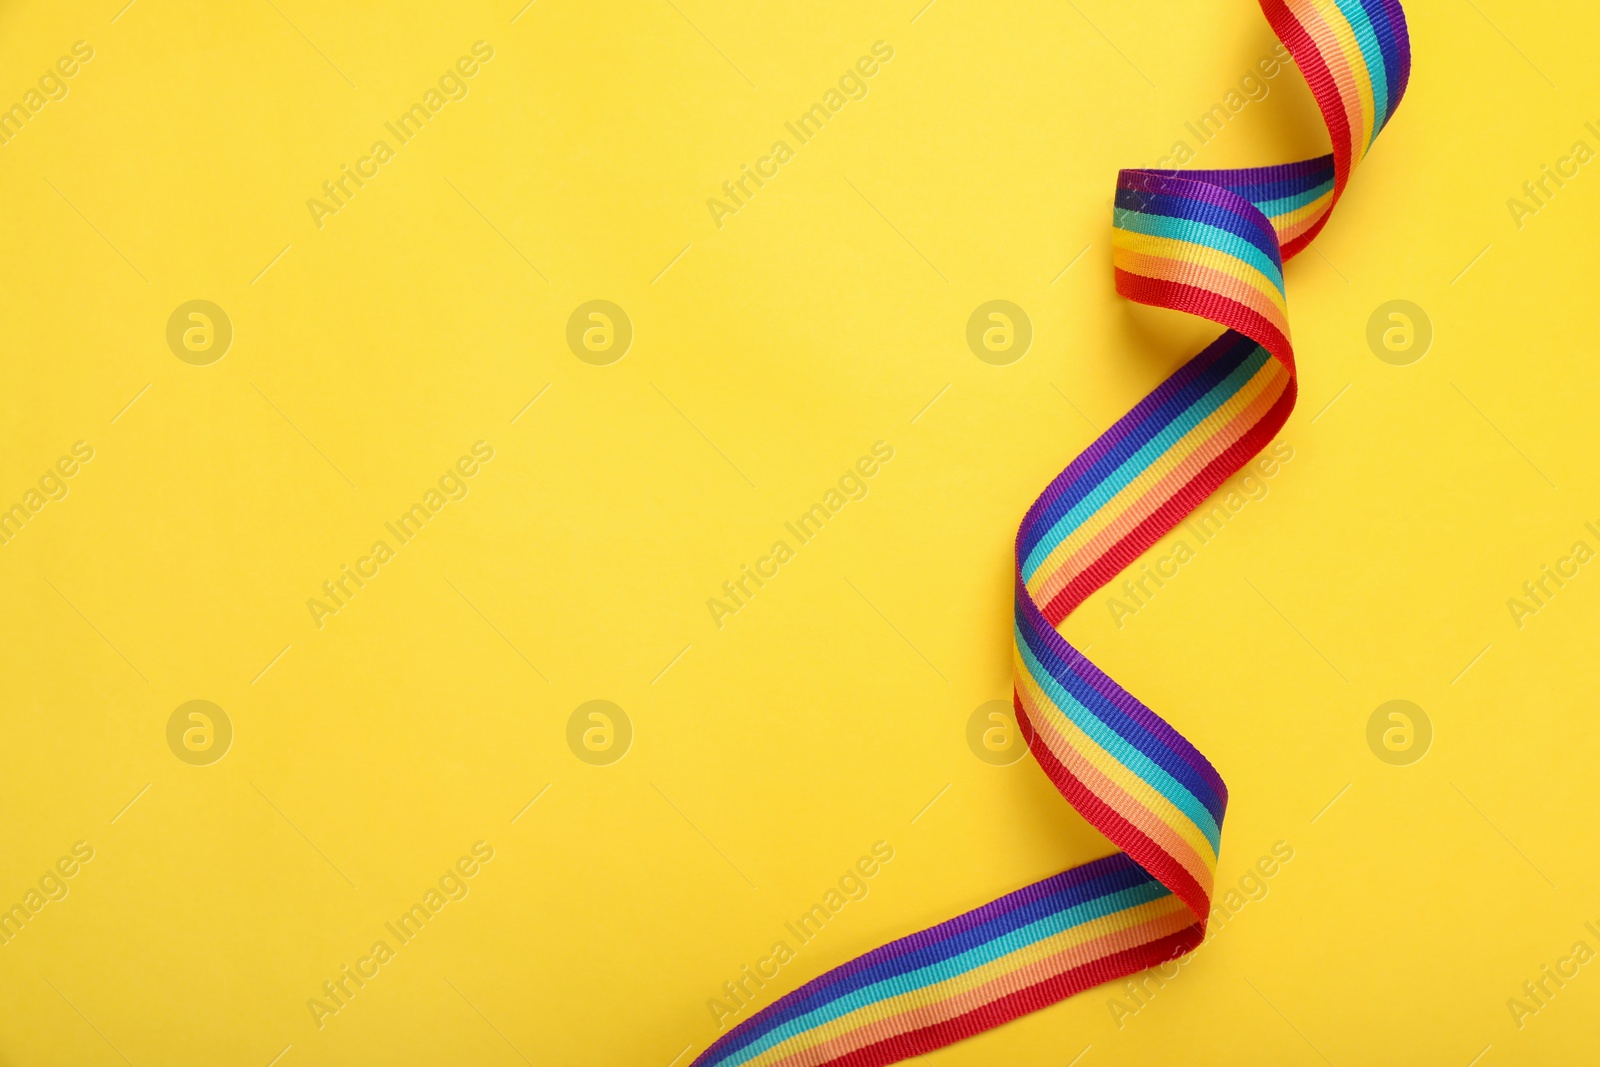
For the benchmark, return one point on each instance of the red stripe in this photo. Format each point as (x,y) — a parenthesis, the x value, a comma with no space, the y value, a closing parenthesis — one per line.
(1205,303)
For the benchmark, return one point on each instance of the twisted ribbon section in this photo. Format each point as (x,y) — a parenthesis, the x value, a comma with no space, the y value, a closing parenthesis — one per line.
(1212,243)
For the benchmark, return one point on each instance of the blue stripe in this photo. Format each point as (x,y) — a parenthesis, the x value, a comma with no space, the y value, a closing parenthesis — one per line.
(1202,233)
(1283,205)
(1189,208)
(1372,55)
(1388,43)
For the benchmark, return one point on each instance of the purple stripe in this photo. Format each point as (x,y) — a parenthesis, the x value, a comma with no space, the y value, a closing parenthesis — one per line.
(1189,188)
(1247,177)
(1402,44)
(1383,29)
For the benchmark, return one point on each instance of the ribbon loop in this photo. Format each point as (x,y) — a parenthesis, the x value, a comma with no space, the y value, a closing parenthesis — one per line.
(1212,243)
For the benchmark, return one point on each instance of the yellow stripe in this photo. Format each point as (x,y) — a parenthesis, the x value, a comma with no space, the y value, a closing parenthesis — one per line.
(930,995)
(1204,255)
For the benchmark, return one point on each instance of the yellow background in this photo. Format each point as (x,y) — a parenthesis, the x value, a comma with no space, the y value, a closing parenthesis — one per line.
(825,315)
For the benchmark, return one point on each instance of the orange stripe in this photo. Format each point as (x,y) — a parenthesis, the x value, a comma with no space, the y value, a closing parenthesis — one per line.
(1167,269)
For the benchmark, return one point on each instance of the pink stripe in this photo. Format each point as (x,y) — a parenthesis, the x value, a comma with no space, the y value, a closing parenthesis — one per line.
(1166,268)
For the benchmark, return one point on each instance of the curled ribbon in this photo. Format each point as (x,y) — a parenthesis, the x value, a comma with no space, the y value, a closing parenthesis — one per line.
(1212,243)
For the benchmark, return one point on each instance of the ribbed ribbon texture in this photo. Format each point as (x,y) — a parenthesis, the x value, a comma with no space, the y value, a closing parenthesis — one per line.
(1212,243)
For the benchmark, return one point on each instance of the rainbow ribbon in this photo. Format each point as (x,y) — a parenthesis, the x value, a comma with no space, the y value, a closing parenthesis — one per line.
(1212,243)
